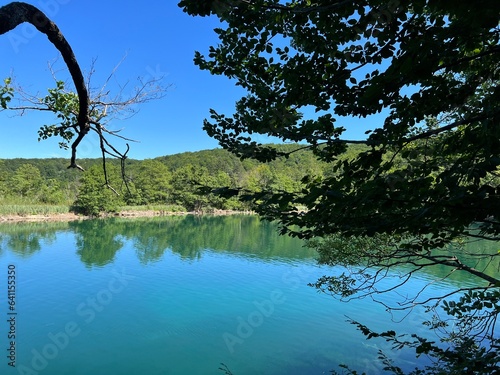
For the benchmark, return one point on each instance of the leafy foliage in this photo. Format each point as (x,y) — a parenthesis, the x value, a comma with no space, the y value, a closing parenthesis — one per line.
(6,93)
(93,196)
(427,175)
(183,181)
(430,69)
(152,182)
(65,105)
(26,181)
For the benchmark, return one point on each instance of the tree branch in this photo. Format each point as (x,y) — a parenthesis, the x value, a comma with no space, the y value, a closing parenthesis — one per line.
(442,129)
(16,13)
(456,263)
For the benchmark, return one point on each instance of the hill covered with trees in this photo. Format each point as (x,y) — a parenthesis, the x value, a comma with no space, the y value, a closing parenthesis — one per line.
(173,180)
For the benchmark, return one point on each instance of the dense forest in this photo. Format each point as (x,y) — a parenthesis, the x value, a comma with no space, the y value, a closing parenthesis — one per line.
(172,181)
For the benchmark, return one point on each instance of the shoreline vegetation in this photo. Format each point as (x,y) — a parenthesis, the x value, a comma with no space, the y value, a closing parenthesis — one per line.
(126,213)
(174,183)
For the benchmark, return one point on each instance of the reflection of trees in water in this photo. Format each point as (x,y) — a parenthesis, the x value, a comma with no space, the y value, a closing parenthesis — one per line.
(244,235)
(150,242)
(97,242)
(24,244)
(188,236)
(25,239)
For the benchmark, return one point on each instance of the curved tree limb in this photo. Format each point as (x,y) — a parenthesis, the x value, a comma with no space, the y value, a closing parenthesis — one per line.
(16,13)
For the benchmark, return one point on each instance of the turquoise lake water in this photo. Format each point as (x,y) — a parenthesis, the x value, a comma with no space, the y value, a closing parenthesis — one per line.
(178,295)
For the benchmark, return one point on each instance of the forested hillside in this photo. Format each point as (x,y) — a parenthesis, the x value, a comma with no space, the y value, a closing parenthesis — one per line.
(172,180)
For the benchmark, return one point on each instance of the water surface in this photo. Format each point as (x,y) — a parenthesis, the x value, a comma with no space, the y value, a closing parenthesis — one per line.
(178,295)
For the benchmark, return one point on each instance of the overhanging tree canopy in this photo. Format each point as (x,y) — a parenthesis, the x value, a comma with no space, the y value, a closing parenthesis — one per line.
(430,68)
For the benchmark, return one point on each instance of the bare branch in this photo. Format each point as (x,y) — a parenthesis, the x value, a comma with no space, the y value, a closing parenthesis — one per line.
(91,112)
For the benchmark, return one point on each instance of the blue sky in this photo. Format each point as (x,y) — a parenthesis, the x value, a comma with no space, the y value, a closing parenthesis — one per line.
(156,37)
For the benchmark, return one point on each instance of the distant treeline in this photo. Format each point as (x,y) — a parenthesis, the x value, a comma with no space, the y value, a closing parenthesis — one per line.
(172,180)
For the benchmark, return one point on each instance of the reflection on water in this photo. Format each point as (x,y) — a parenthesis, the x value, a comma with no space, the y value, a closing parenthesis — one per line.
(24,239)
(179,295)
(98,241)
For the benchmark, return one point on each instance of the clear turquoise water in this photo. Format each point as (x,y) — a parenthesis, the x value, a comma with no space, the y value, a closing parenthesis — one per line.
(178,296)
